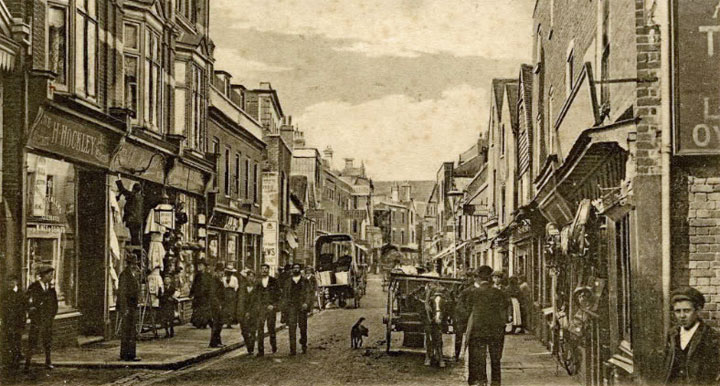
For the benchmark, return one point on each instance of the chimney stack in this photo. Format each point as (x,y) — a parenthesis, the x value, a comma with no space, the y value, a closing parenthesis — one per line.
(328,154)
(349,163)
(405,191)
(394,193)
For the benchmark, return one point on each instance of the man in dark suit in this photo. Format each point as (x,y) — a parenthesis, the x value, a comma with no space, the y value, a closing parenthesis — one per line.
(486,328)
(298,297)
(267,302)
(12,323)
(216,303)
(247,310)
(127,302)
(692,350)
(42,307)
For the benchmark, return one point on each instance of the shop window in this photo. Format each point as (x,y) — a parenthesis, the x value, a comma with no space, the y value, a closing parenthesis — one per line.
(51,225)
(57,44)
(624,297)
(86,27)
(231,249)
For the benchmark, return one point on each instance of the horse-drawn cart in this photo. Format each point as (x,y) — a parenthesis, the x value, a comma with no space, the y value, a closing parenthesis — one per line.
(418,305)
(339,276)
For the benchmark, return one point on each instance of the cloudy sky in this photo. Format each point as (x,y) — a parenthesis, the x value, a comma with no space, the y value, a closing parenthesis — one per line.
(400,84)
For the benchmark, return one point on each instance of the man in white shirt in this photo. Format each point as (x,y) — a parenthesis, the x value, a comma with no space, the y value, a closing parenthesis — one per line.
(692,355)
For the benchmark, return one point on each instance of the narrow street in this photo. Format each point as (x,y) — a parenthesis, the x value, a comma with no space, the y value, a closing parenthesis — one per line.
(330,361)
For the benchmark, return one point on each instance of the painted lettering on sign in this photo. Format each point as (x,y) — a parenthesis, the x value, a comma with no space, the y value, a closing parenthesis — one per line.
(71,136)
(697,101)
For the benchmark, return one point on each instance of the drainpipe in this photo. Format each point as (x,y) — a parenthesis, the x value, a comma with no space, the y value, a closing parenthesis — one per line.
(664,13)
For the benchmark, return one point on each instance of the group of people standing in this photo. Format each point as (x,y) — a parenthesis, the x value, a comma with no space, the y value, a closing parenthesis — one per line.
(223,298)
(40,304)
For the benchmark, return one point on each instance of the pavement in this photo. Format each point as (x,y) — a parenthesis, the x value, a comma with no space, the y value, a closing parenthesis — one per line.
(187,347)
(186,359)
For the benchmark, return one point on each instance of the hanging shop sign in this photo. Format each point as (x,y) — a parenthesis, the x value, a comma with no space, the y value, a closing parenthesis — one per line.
(62,133)
(697,60)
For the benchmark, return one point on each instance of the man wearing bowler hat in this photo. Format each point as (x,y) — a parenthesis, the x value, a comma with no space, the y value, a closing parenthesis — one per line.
(42,305)
(691,350)
(127,302)
(486,328)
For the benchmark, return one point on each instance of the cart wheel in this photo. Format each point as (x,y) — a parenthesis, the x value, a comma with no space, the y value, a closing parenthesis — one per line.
(341,301)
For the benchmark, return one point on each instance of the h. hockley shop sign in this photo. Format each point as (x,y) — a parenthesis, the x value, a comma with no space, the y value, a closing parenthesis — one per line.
(697,89)
(71,137)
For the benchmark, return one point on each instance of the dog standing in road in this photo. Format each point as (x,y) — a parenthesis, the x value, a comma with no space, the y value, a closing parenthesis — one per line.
(357,332)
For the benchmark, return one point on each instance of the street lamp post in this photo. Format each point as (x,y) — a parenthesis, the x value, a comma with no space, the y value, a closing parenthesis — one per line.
(454,195)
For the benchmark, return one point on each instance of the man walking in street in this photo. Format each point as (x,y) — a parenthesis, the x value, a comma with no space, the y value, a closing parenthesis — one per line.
(691,350)
(486,329)
(12,323)
(247,310)
(298,297)
(127,302)
(216,305)
(267,301)
(42,308)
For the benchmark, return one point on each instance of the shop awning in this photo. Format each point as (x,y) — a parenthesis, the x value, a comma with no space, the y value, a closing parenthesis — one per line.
(449,250)
(253,228)
(292,241)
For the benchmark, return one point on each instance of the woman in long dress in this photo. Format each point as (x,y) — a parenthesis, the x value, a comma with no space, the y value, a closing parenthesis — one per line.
(230,289)
(201,292)
(515,324)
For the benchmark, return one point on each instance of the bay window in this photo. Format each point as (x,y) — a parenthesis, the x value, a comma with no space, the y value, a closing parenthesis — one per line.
(144,83)
(197,113)
(153,81)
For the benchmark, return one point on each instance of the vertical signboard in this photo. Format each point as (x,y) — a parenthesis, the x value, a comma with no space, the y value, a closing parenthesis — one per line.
(270,201)
(270,244)
(696,66)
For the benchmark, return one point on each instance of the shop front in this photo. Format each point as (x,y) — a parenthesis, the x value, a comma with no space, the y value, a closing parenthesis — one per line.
(66,200)
(172,226)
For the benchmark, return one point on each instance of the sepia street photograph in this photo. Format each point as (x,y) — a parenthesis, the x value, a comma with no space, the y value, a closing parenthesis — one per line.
(360,192)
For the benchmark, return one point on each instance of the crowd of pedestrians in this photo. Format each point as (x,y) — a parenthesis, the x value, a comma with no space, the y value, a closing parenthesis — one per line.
(225,298)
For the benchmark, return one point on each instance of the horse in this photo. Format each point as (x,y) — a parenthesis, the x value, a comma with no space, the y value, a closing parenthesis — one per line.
(435,322)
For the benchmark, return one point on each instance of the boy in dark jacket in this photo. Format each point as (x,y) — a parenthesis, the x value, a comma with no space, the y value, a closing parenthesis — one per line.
(692,355)
(42,308)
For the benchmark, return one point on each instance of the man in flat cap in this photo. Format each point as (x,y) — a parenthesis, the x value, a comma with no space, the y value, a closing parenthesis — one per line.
(127,302)
(42,302)
(691,351)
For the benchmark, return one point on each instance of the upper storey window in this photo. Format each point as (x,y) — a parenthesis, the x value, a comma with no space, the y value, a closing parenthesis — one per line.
(76,70)
(144,75)
(187,8)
